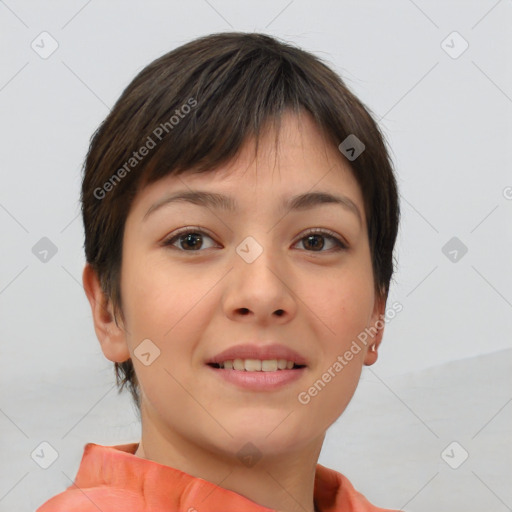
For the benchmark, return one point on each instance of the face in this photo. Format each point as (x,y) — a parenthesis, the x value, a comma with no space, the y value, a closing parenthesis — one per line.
(198,280)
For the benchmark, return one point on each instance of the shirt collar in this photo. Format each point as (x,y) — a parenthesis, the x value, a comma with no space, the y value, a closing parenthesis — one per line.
(118,467)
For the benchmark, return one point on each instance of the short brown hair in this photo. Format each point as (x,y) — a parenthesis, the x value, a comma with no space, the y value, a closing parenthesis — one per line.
(239,82)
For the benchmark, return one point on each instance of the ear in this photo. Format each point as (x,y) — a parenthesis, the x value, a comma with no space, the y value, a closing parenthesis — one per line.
(112,338)
(376,329)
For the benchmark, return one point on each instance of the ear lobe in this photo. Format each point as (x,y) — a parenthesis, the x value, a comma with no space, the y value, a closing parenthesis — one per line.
(111,337)
(376,329)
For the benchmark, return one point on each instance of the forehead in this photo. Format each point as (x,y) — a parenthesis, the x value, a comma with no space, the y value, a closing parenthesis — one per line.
(287,161)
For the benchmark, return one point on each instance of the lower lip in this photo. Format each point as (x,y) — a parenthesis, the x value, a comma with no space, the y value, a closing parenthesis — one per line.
(259,381)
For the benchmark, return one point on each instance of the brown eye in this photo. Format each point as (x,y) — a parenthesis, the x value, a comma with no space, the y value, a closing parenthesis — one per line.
(314,241)
(189,240)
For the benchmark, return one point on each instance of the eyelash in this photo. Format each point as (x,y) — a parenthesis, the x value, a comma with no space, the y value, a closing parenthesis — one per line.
(339,244)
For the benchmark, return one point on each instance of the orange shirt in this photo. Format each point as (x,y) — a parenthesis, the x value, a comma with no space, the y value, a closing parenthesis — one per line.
(113,479)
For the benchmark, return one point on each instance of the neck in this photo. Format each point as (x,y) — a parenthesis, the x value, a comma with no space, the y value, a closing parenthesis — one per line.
(283,482)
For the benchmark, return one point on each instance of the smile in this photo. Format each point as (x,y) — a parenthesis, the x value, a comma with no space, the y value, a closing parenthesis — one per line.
(256,378)
(257,365)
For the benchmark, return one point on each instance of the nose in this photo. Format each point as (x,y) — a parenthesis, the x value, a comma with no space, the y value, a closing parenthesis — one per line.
(260,291)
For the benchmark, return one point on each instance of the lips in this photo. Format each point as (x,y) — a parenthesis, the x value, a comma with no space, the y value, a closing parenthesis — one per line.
(259,352)
(258,368)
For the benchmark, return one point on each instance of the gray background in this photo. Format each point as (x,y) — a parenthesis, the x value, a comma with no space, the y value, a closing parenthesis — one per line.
(444,372)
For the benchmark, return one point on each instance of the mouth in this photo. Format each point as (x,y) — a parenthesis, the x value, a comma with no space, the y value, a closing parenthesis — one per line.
(257,365)
(257,375)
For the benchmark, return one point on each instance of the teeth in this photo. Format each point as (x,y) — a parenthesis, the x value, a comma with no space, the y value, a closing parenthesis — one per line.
(252,365)
(257,365)
(238,364)
(269,365)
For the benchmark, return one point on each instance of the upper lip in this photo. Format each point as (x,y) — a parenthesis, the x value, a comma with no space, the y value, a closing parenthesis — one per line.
(262,352)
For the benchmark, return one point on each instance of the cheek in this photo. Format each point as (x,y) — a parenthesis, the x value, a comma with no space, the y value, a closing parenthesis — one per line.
(167,305)
(344,308)
(152,294)
(344,302)
(329,391)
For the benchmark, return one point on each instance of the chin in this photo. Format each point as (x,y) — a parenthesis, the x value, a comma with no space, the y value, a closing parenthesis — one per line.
(275,432)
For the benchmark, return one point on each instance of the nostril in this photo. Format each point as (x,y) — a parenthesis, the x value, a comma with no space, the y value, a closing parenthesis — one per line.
(279,312)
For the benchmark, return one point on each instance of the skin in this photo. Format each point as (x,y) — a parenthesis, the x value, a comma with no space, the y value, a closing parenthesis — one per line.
(194,303)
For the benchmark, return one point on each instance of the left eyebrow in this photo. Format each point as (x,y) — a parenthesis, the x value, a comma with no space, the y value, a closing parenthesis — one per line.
(214,200)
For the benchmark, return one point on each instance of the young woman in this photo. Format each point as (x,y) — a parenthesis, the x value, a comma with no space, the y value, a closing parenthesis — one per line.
(240,215)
